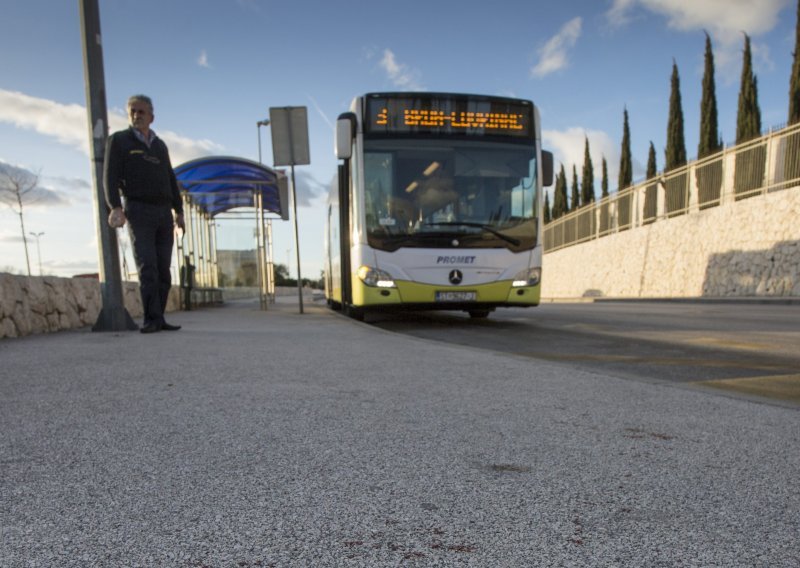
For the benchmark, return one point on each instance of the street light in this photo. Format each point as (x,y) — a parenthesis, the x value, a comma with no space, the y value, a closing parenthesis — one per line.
(38,249)
(270,267)
(259,124)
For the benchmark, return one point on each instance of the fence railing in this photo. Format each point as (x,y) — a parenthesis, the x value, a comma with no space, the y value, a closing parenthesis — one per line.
(767,164)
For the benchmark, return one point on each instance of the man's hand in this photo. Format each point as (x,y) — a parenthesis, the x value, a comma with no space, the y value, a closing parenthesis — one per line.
(116,218)
(179,222)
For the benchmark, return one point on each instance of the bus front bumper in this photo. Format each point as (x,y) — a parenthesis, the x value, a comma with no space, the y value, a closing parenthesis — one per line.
(413,295)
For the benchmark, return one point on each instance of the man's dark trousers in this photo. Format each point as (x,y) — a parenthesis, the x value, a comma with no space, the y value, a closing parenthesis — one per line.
(152,234)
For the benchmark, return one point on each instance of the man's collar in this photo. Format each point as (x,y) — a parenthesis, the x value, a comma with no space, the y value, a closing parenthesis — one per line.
(147,139)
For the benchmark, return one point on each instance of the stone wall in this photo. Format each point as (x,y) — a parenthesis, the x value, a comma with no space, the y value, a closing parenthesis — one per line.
(45,304)
(745,248)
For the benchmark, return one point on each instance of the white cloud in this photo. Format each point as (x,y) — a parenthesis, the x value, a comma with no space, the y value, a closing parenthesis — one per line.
(725,20)
(400,74)
(308,188)
(67,123)
(553,54)
(202,61)
(182,149)
(619,13)
(568,149)
(41,191)
(71,267)
(73,185)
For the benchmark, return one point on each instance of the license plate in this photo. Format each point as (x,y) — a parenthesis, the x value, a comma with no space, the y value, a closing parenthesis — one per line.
(452,296)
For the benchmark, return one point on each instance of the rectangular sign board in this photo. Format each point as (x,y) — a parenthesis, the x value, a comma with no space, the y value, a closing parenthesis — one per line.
(289,126)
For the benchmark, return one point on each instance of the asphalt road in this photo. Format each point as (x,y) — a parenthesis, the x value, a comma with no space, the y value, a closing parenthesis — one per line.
(752,349)
(252,439)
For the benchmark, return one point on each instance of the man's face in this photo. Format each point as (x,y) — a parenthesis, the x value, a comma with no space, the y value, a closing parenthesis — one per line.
(140,115)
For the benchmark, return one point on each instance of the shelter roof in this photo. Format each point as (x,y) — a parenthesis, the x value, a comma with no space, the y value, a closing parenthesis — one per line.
(221,183)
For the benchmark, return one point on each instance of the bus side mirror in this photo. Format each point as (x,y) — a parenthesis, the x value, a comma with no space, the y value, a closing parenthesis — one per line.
(547,168)
(345,132)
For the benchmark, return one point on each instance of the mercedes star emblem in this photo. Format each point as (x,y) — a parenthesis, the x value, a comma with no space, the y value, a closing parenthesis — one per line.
(456,277)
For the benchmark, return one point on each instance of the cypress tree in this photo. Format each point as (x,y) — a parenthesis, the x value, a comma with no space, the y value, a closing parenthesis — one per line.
(652,168)
(794,83)
(675,189)
(651,191)
(560,195)
(748,117)
(576,196)
(604,182)
(605,220)
(709,123)
(587,177)
(709,176)
(625,161)
(547,217)
(676,145)
(791,167)
(749,169)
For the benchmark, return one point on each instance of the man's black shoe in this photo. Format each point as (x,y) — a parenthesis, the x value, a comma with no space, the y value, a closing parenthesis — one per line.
(169,327)
(150,328)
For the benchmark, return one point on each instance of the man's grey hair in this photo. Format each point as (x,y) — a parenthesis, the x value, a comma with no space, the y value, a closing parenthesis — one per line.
(141,99)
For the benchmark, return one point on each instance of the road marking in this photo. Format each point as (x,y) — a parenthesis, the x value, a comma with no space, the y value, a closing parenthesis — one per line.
(780,387)
(634,359)
(728,343)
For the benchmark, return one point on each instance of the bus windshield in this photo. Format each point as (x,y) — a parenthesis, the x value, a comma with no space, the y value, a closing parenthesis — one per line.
(453,193)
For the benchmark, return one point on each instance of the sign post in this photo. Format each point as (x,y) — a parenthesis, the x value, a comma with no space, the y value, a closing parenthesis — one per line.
(290,148)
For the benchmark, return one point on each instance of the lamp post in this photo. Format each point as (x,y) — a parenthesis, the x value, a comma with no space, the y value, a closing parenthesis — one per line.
(38,250)
(259,124)
(270,296)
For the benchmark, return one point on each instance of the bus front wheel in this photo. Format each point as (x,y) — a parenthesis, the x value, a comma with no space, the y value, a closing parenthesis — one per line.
(479,314)
(355,313)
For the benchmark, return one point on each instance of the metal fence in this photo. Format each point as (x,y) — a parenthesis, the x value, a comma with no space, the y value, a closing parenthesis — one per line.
(767,164)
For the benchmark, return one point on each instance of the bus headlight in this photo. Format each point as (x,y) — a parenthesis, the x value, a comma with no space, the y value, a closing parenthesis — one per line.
(528,277)
(375,277)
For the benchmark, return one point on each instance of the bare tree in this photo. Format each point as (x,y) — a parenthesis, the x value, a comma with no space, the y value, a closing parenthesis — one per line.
(17,188)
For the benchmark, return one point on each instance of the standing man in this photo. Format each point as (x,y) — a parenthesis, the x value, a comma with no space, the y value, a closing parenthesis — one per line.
(137,165)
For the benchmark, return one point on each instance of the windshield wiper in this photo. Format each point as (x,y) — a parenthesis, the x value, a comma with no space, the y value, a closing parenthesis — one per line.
(487,228)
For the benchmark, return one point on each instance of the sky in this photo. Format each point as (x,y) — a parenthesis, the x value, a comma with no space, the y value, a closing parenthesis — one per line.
(214,68)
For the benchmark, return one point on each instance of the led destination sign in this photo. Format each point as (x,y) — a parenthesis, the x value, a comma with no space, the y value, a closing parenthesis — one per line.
(448,115)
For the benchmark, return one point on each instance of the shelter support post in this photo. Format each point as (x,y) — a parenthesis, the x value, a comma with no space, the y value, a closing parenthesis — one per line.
(271,263)
(261,261)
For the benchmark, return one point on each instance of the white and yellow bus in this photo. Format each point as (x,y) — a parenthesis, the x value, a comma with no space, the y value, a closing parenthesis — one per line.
(439,204)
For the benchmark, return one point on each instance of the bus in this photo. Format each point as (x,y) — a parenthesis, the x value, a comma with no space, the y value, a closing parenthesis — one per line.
(438,205)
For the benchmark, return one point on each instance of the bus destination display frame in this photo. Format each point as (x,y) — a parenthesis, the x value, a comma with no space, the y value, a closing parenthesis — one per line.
(439,114)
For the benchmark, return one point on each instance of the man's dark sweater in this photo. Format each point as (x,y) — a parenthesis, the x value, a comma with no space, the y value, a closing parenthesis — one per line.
(140,173)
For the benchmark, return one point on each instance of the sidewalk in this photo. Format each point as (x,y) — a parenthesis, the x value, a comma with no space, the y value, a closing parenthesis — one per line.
(254,438)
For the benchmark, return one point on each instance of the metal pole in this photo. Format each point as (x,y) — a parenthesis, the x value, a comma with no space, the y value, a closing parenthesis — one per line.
(271,262)
(297,244)
(215,262)
(296,233)
(262,264)
(38,250)
(113,315)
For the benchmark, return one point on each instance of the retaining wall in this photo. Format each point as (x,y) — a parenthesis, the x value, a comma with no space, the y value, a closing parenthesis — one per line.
(744,248)
(45,304)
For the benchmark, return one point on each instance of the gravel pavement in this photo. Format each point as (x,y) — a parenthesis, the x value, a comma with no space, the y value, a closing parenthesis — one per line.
(253,439)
